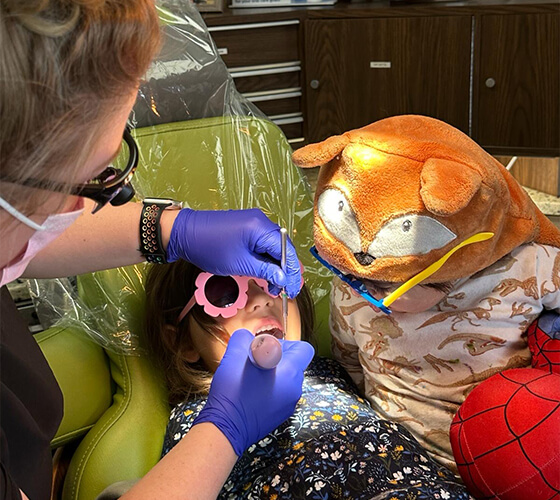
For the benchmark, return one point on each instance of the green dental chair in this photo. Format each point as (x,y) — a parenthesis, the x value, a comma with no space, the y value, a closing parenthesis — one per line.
(203,143)
(115,400)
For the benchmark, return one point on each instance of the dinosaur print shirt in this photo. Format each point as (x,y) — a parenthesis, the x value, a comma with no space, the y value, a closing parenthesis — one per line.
(418,368)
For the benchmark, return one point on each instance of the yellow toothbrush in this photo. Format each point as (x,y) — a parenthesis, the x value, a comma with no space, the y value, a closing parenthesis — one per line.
(431,269)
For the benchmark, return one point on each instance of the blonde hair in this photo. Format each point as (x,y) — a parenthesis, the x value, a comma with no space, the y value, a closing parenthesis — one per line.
(64,65)
(168,288)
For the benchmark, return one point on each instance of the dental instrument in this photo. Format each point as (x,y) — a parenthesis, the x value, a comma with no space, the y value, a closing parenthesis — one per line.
(266,351)
(284,242)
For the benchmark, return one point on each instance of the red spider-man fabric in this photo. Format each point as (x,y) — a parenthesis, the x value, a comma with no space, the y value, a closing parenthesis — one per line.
(511,423)
(543,337)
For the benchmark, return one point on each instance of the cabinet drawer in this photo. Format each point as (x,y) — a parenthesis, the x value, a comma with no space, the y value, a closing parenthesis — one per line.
(282,106)
(273,81)
(257,43)
(277,102)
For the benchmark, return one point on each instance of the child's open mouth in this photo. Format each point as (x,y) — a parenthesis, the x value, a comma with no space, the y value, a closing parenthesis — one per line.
(273,330)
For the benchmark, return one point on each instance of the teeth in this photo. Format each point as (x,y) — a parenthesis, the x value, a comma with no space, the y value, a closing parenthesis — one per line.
(267,328)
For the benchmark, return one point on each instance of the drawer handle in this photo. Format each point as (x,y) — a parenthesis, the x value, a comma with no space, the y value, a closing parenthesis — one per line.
(287,119)
(490,83)
(295,140)
(273,95)
(265,69)
(248,26)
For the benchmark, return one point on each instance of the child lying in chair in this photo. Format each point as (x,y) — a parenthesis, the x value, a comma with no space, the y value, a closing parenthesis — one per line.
(334,445)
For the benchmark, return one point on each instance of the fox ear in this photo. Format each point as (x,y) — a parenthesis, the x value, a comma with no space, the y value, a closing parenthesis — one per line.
(320,153)
(447,186)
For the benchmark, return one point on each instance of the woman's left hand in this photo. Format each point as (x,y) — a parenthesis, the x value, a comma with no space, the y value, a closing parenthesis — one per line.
(234,242)
(245,402)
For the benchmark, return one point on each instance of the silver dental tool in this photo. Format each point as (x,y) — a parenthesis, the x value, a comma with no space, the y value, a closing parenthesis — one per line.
(284,241)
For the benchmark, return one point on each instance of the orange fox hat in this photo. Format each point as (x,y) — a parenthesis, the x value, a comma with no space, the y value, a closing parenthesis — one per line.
(395,196)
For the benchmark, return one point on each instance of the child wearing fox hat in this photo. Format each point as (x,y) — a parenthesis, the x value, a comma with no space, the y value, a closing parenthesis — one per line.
(412,196)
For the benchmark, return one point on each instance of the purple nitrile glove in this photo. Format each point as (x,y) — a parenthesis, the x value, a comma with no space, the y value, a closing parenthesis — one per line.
(245,402)
(235,242)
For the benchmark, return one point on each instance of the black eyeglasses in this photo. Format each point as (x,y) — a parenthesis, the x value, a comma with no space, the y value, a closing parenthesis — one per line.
(111,186)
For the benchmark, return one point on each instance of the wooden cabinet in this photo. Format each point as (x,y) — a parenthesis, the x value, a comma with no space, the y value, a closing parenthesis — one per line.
(362,70)
(517,83)
(264,59)
(255,44)
(489,67)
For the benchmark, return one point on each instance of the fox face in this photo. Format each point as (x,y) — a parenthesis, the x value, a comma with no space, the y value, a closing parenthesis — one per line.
(395,196)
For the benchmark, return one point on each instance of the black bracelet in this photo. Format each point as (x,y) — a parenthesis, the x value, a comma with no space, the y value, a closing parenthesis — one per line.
(151,246)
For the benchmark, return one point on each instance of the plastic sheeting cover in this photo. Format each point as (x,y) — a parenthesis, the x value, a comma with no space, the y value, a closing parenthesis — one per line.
(200,142)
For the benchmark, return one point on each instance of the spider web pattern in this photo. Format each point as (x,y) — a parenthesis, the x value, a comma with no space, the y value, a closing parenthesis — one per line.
(486,461)
(545,350)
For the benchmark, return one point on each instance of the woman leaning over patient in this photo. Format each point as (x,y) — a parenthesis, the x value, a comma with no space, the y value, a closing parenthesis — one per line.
(69,73)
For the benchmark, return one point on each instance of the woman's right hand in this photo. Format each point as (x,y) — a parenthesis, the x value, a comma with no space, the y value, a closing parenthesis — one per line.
(235,242)
(245,402)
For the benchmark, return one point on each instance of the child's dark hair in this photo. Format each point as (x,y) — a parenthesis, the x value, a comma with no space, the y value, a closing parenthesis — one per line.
(168,289)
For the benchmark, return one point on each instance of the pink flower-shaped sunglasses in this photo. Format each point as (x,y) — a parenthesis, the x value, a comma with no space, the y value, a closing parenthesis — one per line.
(221,295)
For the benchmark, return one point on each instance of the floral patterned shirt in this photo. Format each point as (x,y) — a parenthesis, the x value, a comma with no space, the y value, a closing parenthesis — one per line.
(334,446)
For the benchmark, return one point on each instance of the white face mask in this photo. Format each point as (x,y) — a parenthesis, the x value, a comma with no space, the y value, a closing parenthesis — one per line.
(45,233)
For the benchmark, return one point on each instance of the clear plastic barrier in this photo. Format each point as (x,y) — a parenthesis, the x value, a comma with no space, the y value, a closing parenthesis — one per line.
(200,142)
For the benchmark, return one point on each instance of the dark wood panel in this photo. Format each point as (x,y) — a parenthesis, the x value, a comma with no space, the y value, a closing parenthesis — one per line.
(381,8)
(521,53)
(429,73)
(521,151)
(255,46)
(542,174)
(384,8)
(280,106)
(338,100)
(268,82)
(326,63)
